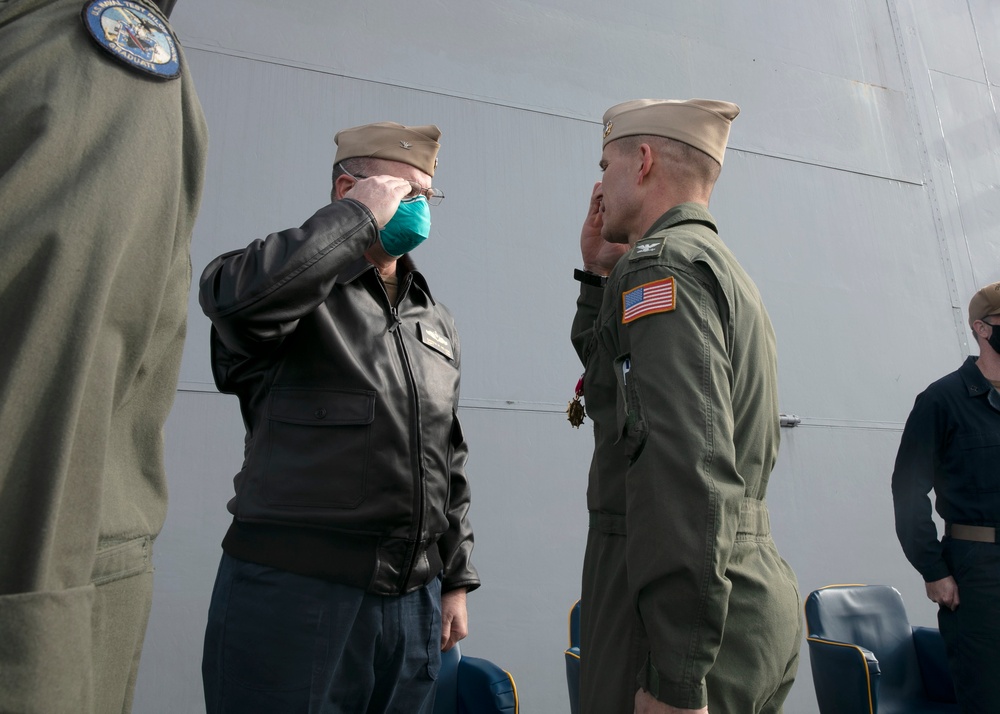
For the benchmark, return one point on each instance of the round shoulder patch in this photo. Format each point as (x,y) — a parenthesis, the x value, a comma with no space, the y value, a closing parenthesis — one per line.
(133,35)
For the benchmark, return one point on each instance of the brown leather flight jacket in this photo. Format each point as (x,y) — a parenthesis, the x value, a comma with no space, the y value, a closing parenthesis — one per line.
(350,403)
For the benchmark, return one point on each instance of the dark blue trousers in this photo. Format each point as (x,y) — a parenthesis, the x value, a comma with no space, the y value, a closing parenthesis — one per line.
(280,642)
(972,632)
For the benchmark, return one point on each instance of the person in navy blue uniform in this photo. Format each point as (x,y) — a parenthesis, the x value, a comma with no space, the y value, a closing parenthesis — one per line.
(951,444)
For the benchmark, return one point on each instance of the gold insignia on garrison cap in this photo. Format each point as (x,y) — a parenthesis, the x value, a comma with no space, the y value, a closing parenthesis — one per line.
(414,145)
(701,123)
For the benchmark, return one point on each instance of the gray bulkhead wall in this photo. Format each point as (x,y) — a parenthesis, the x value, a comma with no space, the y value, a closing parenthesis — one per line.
(860,191)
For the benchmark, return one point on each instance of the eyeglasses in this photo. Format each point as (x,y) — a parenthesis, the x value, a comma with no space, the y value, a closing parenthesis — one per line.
(433,195)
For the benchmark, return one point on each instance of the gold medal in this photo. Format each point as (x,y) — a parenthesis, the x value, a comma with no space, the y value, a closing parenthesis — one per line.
(575,411)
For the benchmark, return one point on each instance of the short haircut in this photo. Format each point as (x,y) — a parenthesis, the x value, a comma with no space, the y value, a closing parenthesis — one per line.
(686,162)
(363,166)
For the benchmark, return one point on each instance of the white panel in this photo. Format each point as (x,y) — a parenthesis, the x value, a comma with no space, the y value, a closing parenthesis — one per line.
(948,35)
(986,19)
(845,264)
(970,140)
(505,240)
(824,73)
(529,512)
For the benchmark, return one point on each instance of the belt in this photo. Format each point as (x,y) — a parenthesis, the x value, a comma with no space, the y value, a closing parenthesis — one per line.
(754,521)
(613,523)
(979,534)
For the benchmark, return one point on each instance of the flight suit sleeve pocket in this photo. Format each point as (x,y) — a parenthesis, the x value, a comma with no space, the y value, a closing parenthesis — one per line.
(632,426)
(319,446)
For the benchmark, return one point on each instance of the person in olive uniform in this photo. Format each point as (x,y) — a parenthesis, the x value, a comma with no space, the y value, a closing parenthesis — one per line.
(101,170)
(686,605)
(345,570)
(951,444)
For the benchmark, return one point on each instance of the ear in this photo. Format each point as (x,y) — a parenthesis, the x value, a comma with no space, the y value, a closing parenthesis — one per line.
(646,156)
(341,185)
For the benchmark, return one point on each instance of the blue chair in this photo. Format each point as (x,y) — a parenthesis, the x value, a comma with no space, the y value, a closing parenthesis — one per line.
(469,685)
(866,658)
(573,659)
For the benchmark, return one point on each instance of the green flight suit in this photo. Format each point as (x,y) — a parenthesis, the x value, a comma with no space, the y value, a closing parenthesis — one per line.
(683,591)
(101,171)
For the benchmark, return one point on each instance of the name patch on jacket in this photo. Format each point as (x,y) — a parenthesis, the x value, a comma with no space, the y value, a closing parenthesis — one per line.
(436,341)
(649,299)
(134,36)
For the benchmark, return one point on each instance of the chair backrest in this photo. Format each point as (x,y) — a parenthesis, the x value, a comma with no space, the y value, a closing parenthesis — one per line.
(572,655)
(485,688)
(872,617)
(446,698)
(574,625)
(470,685)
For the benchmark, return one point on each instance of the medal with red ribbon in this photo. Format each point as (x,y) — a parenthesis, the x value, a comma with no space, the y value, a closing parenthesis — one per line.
(575,412)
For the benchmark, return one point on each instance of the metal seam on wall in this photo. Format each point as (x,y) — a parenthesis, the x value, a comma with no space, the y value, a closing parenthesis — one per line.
(280,62)
(926,168)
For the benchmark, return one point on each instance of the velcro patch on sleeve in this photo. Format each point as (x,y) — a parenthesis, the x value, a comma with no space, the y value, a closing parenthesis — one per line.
(649,299)
(133,35)
(648,248)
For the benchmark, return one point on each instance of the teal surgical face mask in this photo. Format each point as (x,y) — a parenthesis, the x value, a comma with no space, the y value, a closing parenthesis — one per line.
(408,228)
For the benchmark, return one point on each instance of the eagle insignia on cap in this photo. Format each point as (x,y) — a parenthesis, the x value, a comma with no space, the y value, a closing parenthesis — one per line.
(607,129)
(406,145)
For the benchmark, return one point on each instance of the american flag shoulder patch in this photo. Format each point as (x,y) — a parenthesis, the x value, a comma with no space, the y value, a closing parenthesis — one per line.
(649,299)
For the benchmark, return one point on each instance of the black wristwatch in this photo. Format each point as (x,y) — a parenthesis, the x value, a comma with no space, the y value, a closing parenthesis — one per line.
(588,278)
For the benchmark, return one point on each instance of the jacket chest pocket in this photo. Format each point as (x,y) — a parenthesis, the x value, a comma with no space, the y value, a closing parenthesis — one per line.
(319,442)
(979,469)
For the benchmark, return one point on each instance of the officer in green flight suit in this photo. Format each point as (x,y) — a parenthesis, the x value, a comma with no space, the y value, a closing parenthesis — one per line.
(686,604)
(102,165)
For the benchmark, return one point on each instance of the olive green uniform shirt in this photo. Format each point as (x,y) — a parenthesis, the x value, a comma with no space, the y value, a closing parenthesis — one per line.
(684,593)
(101,171)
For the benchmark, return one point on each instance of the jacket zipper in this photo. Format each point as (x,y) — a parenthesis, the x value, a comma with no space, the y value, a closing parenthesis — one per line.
(407,568)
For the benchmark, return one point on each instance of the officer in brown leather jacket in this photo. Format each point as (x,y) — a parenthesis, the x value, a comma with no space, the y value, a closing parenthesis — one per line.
(345,570)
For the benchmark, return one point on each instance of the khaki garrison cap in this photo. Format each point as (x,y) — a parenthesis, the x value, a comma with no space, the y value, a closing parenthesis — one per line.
(701,123)
(985,302)
(413,145)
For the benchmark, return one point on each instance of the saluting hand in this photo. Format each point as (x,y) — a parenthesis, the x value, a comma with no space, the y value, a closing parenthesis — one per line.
(381,195)
(599,256)
(944,592)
